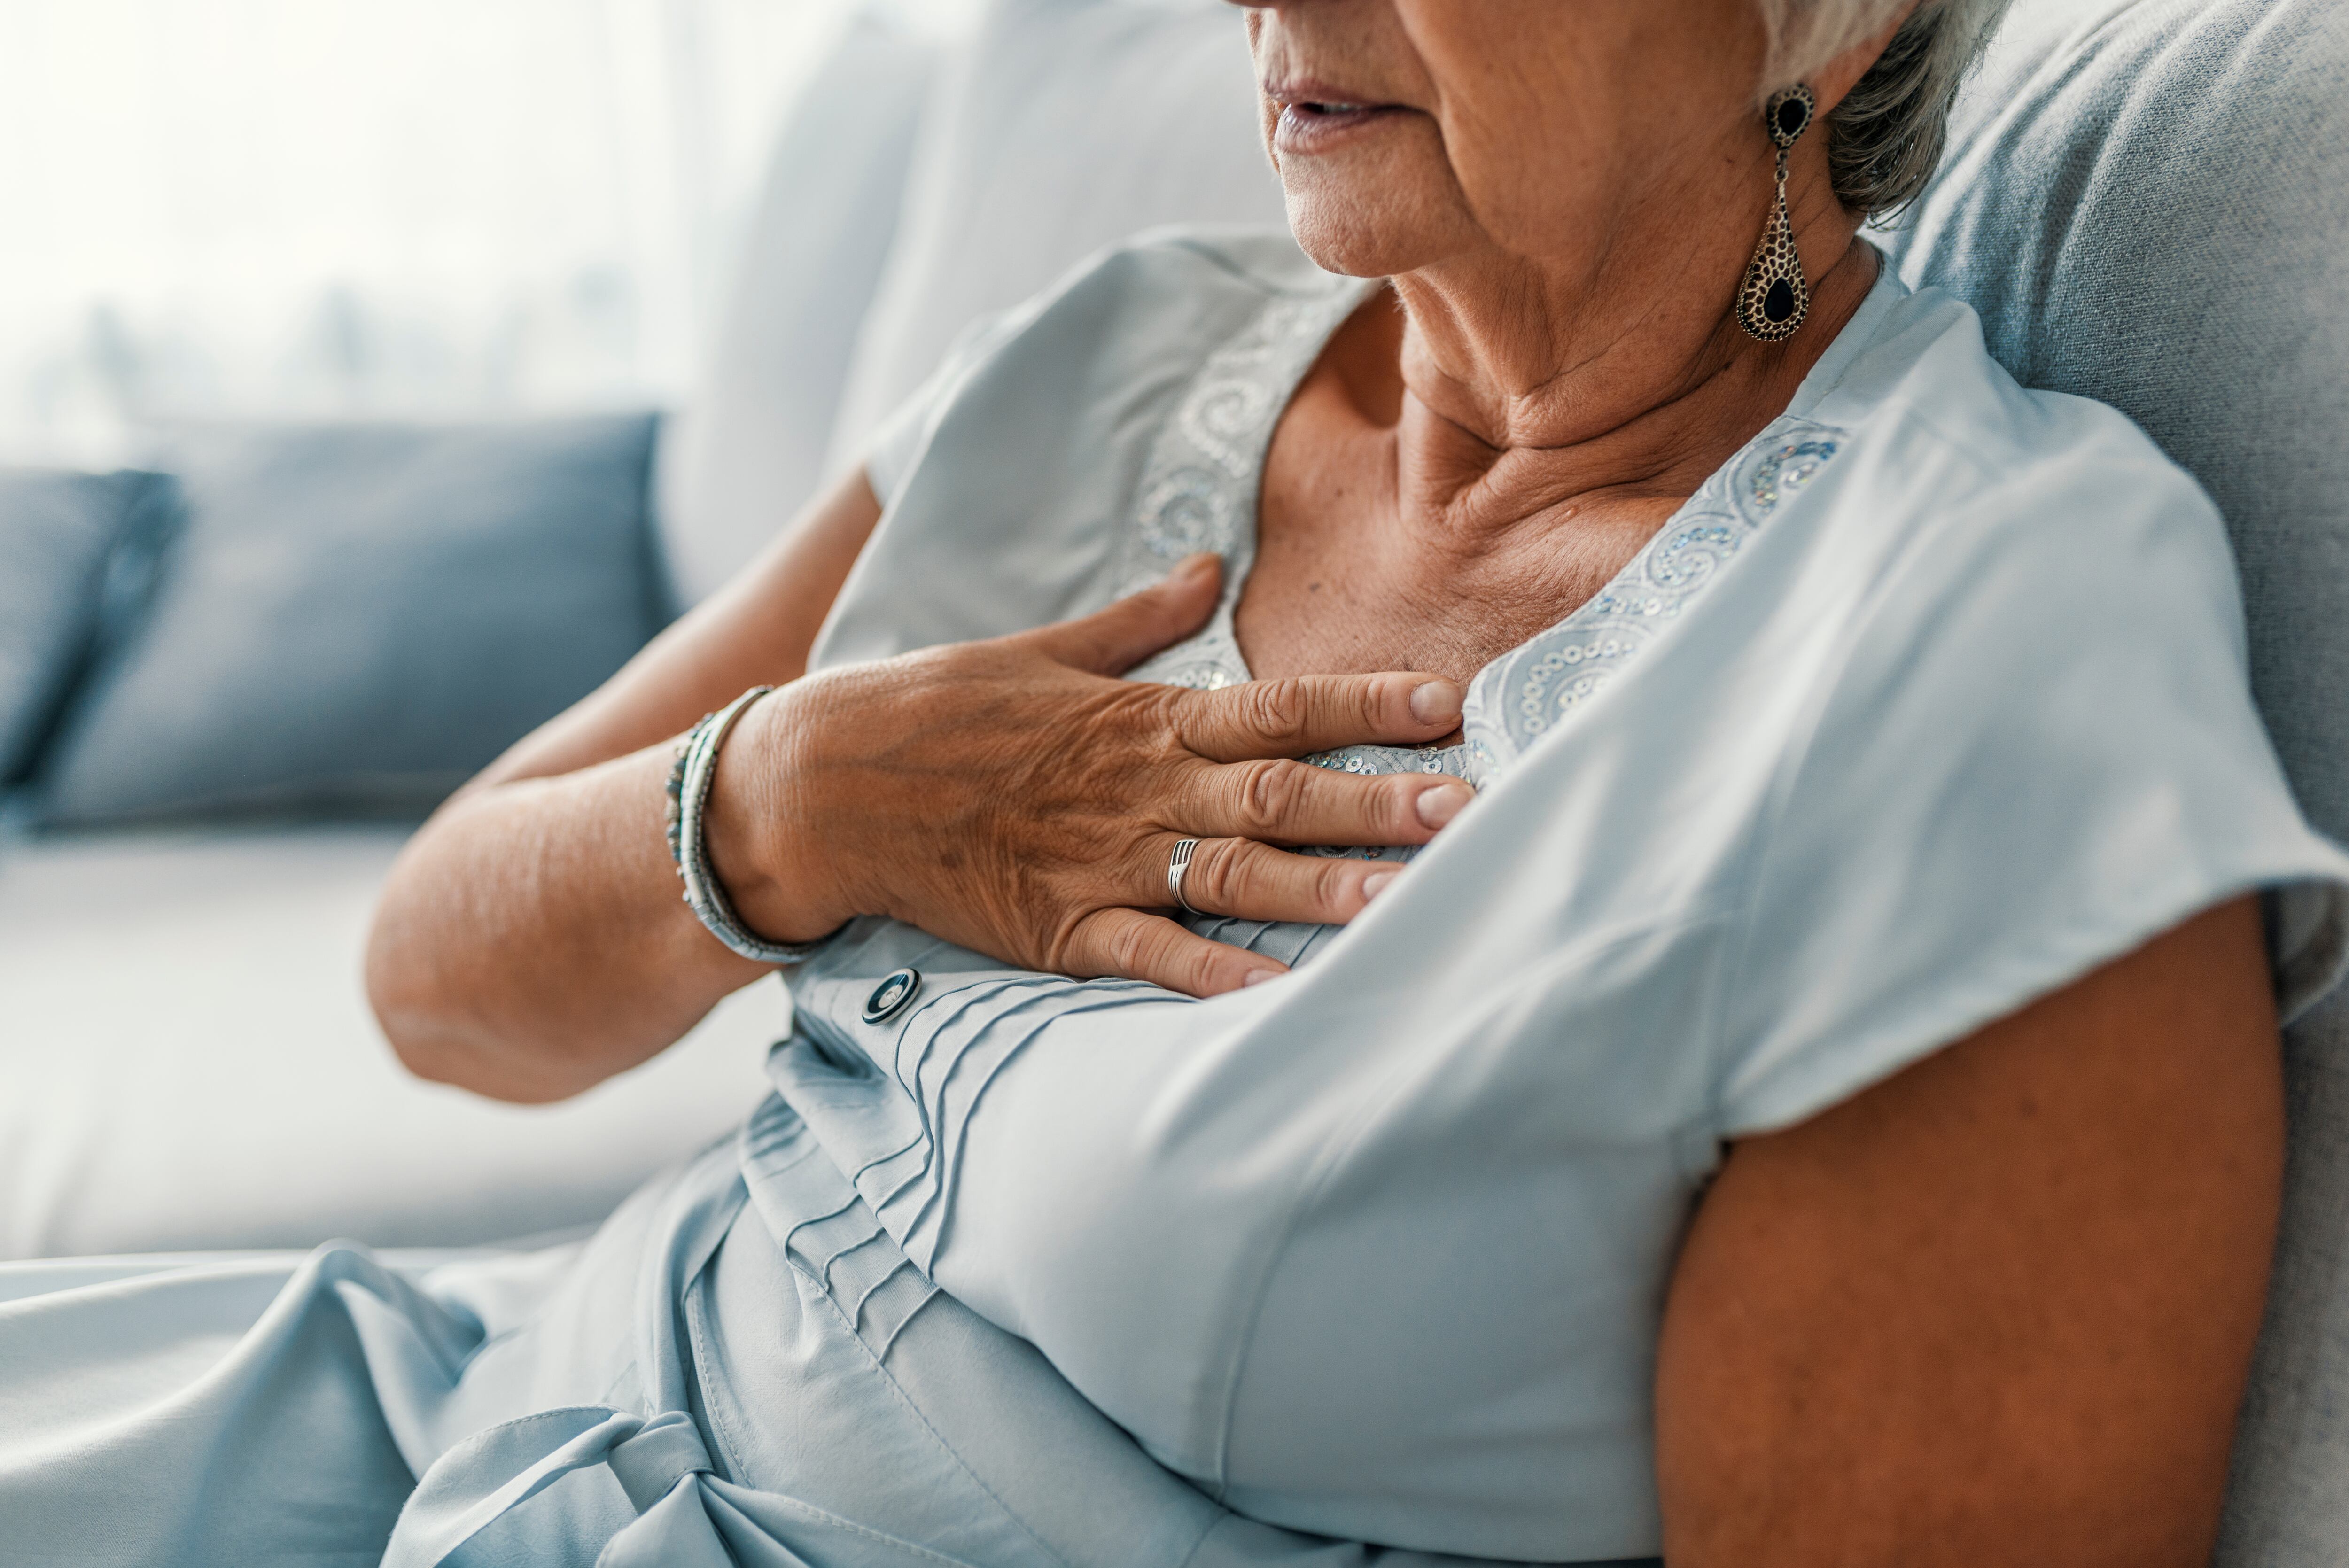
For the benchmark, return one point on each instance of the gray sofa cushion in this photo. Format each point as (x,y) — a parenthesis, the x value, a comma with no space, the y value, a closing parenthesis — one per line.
(353,619)
(746,451)
(2148,202)
(59,533)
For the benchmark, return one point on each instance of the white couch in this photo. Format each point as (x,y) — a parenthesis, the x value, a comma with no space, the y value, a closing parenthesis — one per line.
(189,1063)
(185,1057)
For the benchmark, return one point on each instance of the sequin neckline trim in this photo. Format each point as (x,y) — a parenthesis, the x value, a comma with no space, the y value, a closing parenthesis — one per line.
(1199,491)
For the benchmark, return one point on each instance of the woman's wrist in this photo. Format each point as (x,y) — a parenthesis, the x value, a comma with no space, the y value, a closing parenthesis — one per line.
(758,859)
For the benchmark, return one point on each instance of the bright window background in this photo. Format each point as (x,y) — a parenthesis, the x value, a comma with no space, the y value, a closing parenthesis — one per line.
(323,208)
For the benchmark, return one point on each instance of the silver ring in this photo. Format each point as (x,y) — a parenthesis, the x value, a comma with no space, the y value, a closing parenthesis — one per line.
(1175,868)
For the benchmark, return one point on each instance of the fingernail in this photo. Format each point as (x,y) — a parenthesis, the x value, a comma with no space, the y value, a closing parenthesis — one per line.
(1376,884)
(1435,702)
(1258,976)
(1441,804)
(1199,565)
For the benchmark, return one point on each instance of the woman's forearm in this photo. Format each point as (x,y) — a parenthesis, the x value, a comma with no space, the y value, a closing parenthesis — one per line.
(532,941)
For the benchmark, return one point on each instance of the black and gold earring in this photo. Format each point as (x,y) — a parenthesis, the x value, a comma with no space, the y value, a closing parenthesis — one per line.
(1774,298)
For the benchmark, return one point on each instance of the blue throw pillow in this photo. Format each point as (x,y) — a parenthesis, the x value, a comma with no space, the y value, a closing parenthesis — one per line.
(60,533)
(351,620)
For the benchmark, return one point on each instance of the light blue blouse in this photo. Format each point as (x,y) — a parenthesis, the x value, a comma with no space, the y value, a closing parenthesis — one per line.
(1930,701)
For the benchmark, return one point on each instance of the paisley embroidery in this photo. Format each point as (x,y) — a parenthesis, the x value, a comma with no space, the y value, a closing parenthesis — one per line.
(1367,759)
(1199,486)
(1188,510)
(1520,696)
(1788,468)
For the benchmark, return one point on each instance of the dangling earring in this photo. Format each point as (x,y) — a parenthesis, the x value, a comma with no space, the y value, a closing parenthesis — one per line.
(1773,299)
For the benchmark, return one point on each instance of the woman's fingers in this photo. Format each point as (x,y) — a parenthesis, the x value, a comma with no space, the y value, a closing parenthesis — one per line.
(1248,881)
(947,738)
(1151,947)
(1112,641)
(1232,877)
(1316,713)
(1281,802)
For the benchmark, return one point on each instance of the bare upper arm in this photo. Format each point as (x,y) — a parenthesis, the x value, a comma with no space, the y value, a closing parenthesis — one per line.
(1998,1308)
(758,629)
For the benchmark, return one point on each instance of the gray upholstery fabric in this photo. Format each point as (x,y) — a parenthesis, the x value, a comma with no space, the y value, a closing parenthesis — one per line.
(746,450)
(59,533)
(354,618)
(2148,202)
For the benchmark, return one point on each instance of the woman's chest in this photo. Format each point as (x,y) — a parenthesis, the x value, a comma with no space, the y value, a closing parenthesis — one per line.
(1359,567)
(1362,593)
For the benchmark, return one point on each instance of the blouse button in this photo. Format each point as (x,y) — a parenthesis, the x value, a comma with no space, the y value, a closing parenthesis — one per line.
(889,997)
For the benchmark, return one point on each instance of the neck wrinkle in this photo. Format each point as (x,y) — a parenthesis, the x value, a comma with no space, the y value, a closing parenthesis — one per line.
(1521,394)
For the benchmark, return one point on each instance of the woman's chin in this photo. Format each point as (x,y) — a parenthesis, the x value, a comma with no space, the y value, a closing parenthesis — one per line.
(1374,196)
(1367,228)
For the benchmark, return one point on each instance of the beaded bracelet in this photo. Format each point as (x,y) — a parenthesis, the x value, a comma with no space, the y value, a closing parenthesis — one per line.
(689,780)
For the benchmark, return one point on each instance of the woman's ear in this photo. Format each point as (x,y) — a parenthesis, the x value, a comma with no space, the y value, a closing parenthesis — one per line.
(1833,81)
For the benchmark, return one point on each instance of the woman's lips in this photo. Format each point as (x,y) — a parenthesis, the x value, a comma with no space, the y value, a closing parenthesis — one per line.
(1314,125)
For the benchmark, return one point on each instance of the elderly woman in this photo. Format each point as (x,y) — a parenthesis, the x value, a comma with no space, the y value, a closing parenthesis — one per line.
(1793,1080)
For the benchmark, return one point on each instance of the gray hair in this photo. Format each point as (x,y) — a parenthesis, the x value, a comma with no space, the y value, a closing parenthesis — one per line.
(1885,138)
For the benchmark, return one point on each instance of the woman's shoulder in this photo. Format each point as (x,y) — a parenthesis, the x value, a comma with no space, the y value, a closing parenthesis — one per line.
(1126,317)
(1010,482)
(1176,290)
(1164,300)
(1974,502)
(2018,739)
(1251,258)
(1945,437)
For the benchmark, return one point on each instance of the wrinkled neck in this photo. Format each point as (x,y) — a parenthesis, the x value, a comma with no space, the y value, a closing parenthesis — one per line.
(1522,387)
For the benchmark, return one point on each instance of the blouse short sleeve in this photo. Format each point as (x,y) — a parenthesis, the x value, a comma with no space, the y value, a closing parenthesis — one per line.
(897,441)
(2040,753)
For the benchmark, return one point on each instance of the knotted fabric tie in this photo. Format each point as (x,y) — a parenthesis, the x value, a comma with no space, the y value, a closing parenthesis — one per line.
(493,1473)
